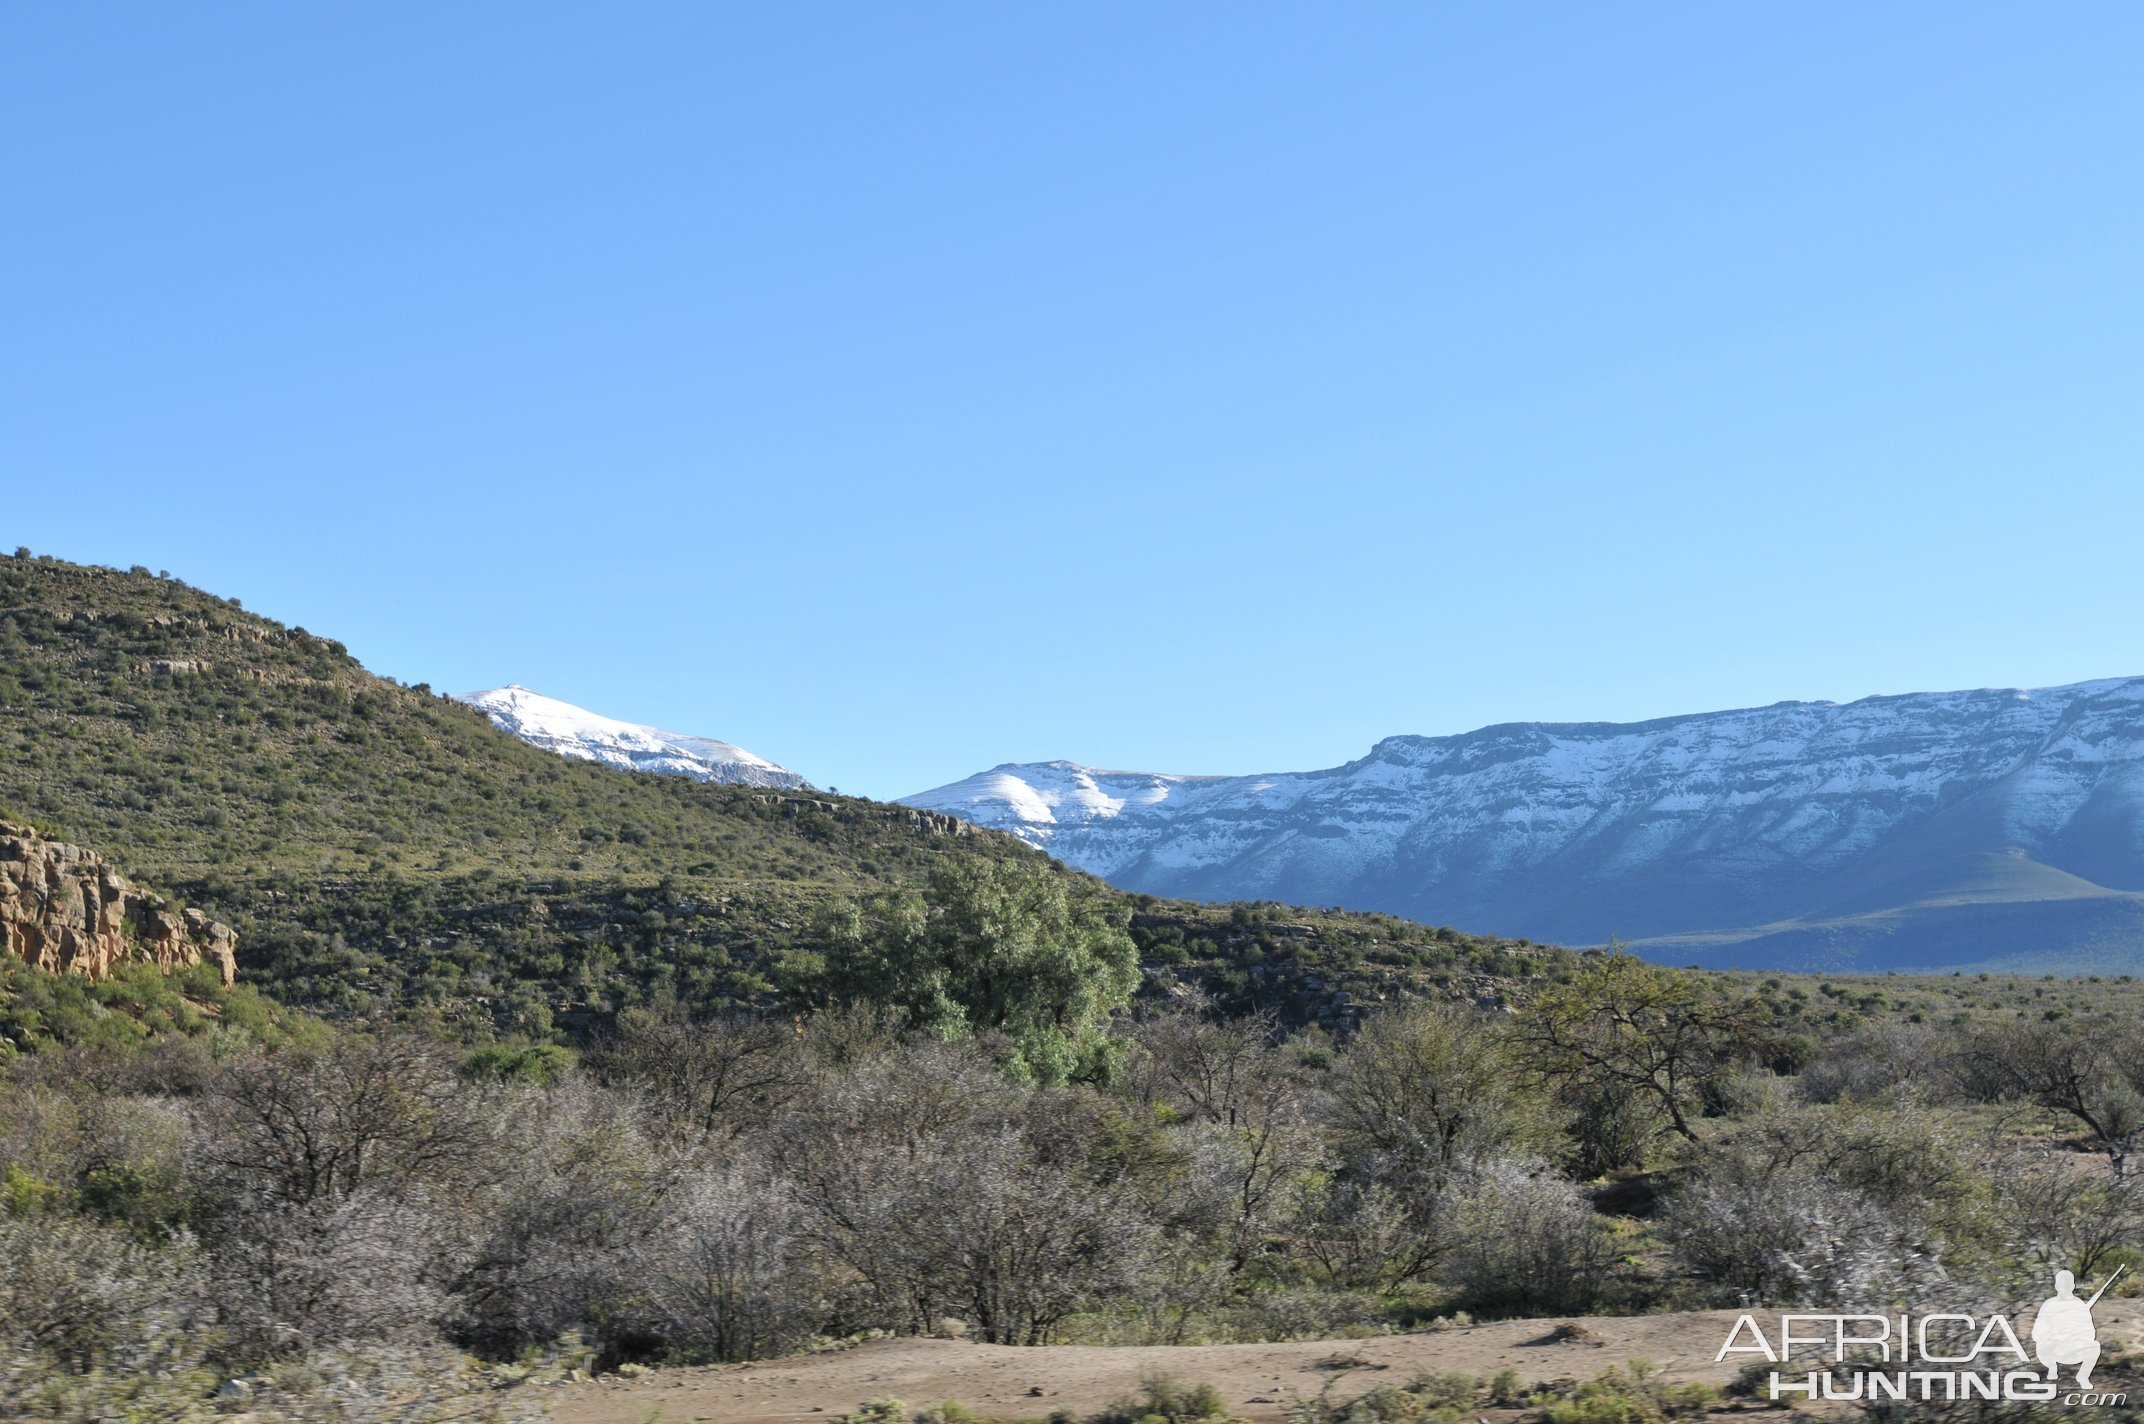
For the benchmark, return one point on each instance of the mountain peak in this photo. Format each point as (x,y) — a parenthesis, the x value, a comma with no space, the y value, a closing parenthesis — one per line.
(590,736)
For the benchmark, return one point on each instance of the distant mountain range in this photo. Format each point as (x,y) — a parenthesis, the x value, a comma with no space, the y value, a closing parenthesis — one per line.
(1997,828)
(576,732)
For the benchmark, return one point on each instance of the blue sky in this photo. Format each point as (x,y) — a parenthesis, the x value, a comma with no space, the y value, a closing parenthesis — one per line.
(900,389)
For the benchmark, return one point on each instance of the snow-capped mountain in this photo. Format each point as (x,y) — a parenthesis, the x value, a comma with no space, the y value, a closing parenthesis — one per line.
(576,732)
(1935,828)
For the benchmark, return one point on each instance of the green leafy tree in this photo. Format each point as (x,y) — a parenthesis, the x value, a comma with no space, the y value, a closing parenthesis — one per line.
(1429,1087)
(991,946)
(1627,1033)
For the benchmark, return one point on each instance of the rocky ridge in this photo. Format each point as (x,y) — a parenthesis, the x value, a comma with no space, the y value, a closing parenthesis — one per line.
(63,909)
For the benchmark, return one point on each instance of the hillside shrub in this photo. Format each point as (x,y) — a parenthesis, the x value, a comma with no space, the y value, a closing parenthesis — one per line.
(1526,1241)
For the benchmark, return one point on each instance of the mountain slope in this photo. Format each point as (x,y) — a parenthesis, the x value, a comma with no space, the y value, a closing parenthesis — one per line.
(589,736)
(377,847)
(1915,831)
(186,737)
(383,851)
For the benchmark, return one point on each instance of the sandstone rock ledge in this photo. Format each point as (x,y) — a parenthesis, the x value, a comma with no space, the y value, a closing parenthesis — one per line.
(64,910)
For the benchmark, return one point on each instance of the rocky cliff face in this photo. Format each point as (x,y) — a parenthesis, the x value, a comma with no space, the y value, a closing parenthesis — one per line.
(1935,829)
(64,910)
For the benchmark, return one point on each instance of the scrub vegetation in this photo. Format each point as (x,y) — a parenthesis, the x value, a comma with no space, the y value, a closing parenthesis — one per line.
(252,1197)
(537,1068)
(386,852)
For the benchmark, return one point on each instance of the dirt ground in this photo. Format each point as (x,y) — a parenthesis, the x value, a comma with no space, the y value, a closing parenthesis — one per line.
(1261,1381)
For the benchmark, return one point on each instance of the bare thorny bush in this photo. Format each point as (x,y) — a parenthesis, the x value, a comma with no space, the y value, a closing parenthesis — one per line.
(738,1188)
(1904,1159)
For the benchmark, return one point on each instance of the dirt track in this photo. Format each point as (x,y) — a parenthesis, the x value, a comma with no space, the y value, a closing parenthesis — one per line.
(1261,1381)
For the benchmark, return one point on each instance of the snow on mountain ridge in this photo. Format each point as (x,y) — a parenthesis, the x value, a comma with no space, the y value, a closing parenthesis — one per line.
(590,736)
(1577,830)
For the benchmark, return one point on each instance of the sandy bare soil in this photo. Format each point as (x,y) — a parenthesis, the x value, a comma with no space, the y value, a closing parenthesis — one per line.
(1261,1381)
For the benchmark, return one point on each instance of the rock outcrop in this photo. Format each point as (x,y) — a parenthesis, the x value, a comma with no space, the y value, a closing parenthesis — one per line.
(64,910)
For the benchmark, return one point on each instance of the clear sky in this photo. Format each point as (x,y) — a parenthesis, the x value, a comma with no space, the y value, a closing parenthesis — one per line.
(898,389)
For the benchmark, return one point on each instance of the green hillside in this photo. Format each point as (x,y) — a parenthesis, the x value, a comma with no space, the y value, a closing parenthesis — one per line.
(382,849)
(189,736)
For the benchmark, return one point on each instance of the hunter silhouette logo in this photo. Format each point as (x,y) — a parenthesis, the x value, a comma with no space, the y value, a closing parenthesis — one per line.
(2063,1333)
(1943,1355)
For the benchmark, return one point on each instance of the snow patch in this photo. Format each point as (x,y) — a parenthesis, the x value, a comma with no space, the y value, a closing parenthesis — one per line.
(590,736)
